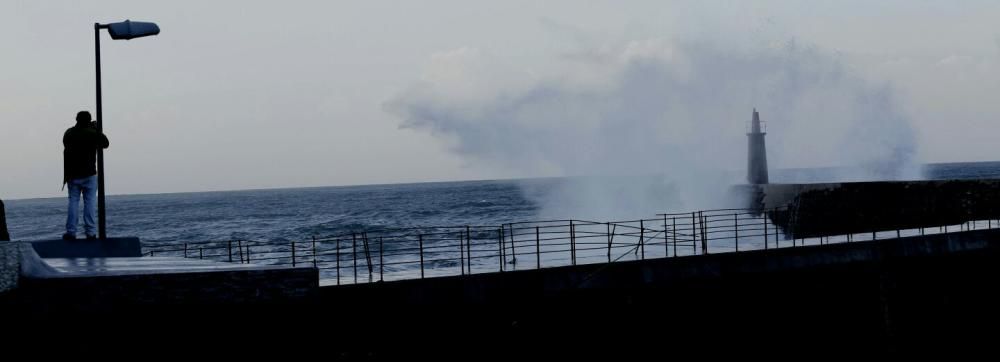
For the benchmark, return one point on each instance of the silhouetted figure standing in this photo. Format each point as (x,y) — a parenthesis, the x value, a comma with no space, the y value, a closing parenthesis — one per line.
(81,143)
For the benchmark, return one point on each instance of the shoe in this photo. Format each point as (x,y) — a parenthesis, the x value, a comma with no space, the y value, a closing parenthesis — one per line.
(91,237)
(68,236)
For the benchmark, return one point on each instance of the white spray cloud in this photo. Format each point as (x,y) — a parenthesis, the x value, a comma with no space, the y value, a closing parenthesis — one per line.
(657,125)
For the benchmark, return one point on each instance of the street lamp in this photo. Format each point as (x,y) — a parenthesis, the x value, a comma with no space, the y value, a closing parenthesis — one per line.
(124,30)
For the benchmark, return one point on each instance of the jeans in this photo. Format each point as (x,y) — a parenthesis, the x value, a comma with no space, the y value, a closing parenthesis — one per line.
(88,187)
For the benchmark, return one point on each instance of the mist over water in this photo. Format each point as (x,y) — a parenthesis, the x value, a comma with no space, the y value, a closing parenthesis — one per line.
(657,125)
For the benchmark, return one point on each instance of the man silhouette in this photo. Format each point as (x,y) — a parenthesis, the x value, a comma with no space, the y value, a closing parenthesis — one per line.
(81,143)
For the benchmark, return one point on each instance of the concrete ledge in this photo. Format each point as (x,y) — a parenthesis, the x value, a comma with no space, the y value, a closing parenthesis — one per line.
(128,247)
(10,260)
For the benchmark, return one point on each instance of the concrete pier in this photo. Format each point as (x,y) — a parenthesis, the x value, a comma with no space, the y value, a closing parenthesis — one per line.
(819,209)
(933,293)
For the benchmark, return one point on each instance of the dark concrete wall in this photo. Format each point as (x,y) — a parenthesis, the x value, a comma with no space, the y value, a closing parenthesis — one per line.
(857,207)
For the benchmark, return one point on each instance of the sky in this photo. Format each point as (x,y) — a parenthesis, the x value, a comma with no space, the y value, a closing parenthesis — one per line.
(263,94)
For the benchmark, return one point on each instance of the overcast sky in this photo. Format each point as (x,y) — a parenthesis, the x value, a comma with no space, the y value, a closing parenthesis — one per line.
(260,94)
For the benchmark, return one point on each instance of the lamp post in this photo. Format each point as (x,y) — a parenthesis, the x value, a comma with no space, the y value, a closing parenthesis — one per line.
(124,30)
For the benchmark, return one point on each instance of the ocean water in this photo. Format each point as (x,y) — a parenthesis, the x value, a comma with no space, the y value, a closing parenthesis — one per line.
(281,214)
(297,214)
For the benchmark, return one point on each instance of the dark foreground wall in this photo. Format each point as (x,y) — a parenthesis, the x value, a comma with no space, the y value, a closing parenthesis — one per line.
(911,296)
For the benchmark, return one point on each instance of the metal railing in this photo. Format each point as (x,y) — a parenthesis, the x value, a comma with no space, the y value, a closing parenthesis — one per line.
(409,253)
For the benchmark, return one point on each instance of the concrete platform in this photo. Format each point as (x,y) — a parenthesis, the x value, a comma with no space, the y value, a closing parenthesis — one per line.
(103,276)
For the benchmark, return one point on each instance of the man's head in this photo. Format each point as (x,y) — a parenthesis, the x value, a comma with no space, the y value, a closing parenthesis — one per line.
(82,117)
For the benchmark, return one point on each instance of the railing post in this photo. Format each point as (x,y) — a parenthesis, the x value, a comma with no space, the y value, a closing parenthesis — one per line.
(314,251)
(338,261)
(461,252)
(248,252)
(503,247)
(229,250)
(421,241)
(381,262)
(185,250)
(354,255)
(673,231)
(608,224)
(293,252)
(201,252)
(694,235)
(572,242)
(776,230)
(736,231)
(642,240)
(468,247)
(500,247)
(704,233)
(538,249)
(873,236)
(239,246)
(666,245)
(765,231)
(513,250)
(706,237)
(368,255)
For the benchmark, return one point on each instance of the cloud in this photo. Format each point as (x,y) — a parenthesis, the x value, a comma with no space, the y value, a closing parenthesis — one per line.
(957,61)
